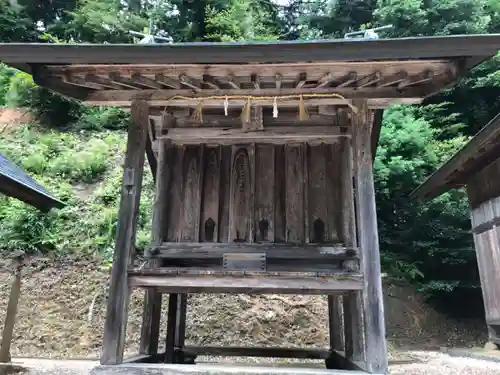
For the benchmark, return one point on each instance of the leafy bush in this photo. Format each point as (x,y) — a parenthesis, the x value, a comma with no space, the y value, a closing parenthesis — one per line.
(111,118)
(87,225)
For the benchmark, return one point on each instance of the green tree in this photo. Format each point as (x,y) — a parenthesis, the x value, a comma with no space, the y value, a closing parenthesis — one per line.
(15,24)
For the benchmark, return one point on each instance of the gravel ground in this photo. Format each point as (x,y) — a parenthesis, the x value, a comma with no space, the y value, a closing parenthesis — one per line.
(407,363)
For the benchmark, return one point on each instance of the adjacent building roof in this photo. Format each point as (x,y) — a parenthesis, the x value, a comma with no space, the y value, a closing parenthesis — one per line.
(478,153)
(14,182)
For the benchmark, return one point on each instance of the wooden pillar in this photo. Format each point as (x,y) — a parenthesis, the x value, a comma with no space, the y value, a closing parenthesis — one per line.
(151,317)
(119,293)
(173,302)
(10,315)
(367,230)
(336,323)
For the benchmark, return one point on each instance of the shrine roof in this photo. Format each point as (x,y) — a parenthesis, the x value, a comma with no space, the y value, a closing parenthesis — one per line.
(324,72)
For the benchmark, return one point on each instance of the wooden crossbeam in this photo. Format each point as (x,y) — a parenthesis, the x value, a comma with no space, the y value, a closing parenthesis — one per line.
(253,282)
(276,135)
(379,96)
(258,352)
(278,251)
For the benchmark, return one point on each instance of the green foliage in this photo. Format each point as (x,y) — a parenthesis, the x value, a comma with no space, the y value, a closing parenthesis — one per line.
(15,24)
(66,163)
(427,243)
(109,118)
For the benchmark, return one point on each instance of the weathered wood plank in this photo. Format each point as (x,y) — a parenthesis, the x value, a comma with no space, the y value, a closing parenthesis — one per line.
(333,201)
(258,352)
(294,182)
(119,293)
(275,135)
(174,195)
(241,196)
(279,194)
(150,329)
(373,301)
(278,251)
(211,194)
(190,198)
(181,283)
(376,97)
(264,200)
(225,194)
(318,195)
(347,224)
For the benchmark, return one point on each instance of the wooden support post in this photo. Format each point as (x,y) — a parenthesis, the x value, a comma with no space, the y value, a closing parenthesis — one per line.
(10,316)
(373,300)
(150,330)
(171,328)
(180,325)
(119,293)
(336,323)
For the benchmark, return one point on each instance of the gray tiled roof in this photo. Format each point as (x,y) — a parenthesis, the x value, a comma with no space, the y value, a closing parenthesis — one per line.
(17,176)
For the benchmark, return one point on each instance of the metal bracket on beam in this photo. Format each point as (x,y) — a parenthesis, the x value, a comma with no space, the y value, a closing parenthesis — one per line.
(244,262)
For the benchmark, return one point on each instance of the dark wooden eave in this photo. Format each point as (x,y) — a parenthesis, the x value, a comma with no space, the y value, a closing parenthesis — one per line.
(479,152)
(16,183)
(259,52)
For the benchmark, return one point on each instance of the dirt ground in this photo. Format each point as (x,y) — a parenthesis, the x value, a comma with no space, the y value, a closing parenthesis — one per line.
(62,308)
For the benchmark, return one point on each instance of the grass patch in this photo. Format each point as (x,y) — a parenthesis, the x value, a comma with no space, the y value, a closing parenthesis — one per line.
(60,161)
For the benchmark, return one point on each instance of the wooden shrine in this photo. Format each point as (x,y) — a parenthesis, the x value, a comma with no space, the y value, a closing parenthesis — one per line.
(476,167)
(262,154)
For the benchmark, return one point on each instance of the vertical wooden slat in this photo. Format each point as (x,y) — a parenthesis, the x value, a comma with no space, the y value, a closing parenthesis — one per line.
(373,301)
(211,194)
(318,193)
(305,184)
(150,330)
(240,212)
(252,189)
(347,225)
(119,293)
(264,197)
(174,195)
(191,195)
(225,193)
(279,194)
(294,182)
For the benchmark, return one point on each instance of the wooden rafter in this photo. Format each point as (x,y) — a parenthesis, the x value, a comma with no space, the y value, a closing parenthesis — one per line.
(301,80)
(190,82)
